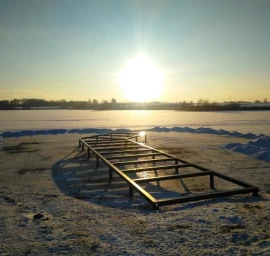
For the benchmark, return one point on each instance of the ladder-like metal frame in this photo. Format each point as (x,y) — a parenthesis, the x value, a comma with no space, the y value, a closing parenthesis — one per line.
(115,148)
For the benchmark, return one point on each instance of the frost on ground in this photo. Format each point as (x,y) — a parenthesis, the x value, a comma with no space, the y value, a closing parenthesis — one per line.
(55,201)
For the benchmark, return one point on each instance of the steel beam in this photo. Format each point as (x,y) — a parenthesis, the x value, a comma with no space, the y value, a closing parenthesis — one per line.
(172,177)
(144,161)
(190,198)
(133,156)
(153,168)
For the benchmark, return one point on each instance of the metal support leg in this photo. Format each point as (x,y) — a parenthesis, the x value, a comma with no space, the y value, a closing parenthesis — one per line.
(110,173)
(212,181)
(255,193)
(130,191)
(156,207)
(80,143)
(83,147)
(176,168)
(89,153)
(97,159)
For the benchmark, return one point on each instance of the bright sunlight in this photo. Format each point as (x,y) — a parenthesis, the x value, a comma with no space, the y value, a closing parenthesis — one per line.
(141,79)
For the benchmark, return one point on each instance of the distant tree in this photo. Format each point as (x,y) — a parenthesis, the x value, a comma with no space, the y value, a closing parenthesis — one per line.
(113,101)
(203,101)
(95,101)
(15,102)
(265,100)
(89,101)
(4,104)
(257,101)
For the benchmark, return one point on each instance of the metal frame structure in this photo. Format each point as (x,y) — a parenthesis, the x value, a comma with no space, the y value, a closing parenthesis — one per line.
(116,150)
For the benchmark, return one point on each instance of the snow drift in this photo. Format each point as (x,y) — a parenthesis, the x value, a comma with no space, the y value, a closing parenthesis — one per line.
(258,146)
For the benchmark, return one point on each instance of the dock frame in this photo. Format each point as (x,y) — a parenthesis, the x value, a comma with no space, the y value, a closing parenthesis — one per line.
(116,149)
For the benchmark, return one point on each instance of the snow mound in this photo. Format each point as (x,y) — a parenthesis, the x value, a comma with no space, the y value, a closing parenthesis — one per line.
(206,130)
(259,148)
(263,141)
(58,132)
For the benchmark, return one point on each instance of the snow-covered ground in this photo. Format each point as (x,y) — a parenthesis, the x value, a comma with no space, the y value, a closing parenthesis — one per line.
(258,146)
(54,201)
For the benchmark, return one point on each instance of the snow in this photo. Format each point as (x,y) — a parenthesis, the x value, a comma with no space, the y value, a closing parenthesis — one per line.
(258,146)
(242,121)
(54,201)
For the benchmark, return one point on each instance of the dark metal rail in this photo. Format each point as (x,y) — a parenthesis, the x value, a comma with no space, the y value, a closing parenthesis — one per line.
(117,146)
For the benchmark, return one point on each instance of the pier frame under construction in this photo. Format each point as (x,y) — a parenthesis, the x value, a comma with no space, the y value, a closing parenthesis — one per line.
(119,151)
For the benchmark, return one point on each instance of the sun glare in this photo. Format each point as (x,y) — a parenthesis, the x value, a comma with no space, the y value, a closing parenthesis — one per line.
(141,79)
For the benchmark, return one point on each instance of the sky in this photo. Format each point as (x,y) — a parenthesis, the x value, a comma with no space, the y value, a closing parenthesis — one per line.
(76,49)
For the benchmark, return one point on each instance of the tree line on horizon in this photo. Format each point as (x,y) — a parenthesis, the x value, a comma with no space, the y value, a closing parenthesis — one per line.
(200,105)
(63,104)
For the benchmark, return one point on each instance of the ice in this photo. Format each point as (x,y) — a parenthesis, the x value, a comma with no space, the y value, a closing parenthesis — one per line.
(254,122)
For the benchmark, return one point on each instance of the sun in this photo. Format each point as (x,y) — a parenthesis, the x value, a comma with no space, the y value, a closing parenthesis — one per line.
(141,79)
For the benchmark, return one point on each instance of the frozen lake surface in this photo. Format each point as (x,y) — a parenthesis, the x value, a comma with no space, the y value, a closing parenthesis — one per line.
(242,121)
(252,125)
